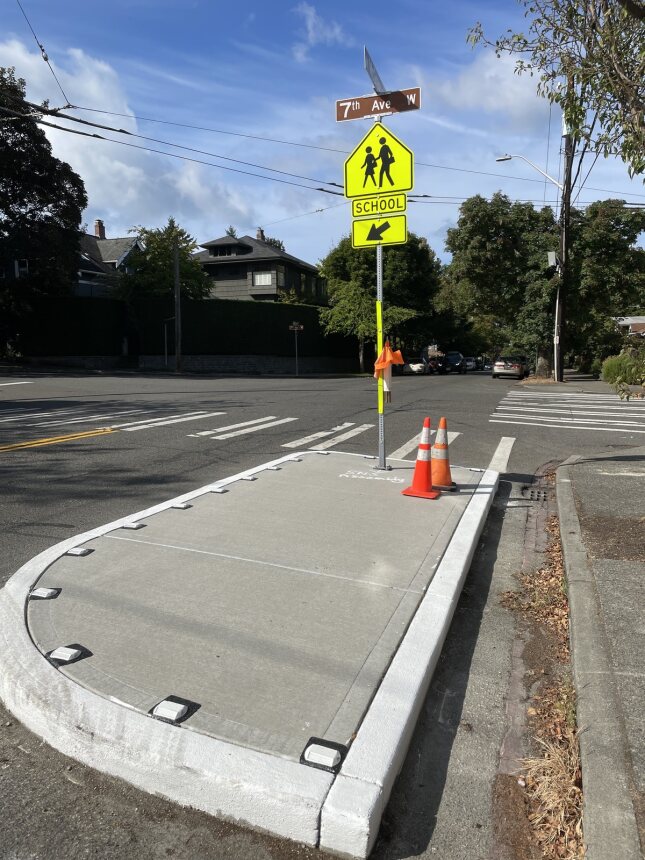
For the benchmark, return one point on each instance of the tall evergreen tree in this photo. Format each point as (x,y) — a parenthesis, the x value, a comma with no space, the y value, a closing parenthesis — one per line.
(41,202)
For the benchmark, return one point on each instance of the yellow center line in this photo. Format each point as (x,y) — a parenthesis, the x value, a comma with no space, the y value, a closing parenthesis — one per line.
(54,440)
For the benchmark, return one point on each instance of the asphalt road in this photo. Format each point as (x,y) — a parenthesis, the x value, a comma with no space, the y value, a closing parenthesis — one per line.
(54,489)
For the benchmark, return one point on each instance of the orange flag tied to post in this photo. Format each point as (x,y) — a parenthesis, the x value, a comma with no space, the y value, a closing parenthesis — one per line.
(383,367)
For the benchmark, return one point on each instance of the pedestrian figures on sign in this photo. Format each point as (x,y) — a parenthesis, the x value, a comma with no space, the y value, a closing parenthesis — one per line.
(370,166)
(386,158)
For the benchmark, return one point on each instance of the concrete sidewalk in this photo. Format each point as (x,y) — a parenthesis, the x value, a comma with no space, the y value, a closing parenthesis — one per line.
(601,501)
(302,602)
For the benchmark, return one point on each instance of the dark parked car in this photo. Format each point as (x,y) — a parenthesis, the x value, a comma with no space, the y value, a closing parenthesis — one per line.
(456,362)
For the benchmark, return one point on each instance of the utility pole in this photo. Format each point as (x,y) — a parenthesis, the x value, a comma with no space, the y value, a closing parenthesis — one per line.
(177,308)
(563,283)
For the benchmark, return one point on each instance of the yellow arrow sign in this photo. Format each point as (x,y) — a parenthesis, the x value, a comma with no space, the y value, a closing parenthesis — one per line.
(380,163)
(380,231)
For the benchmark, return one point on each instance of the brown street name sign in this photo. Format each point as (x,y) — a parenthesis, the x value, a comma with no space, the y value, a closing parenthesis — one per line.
(380,104)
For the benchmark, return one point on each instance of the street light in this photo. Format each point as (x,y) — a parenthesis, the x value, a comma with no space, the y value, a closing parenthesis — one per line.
(564,243)
(534,166)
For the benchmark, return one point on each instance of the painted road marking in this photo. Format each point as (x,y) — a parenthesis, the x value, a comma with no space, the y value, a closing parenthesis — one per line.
(197,416)
(342,438)
(602,423)
(413,445)
(17,383)
(234,426)
(19,415)
(87,418)
(54,440)
(589,410)
(601,429)
(570,411)
(301,443)
(253,429)
(147,421)
(499,461)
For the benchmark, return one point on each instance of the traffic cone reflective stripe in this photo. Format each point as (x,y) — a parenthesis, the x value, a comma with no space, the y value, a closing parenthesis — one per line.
(421,486)
(441,477)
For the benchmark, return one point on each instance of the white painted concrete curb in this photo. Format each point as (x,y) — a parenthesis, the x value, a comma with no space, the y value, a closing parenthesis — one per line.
(340,814)
(264,791)
(352,811)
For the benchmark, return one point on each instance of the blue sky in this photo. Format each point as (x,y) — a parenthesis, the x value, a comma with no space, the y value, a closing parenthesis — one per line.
(274,70)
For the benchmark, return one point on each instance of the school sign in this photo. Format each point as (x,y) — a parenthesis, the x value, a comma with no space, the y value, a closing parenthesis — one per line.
(379,170)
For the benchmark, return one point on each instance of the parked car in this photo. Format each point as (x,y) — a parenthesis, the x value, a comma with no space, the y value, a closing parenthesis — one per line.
(456,363)
(510,365)
(471,363)
(413,365)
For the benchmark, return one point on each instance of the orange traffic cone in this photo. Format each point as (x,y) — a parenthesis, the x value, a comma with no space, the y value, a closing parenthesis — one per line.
(441,476)
(422,478)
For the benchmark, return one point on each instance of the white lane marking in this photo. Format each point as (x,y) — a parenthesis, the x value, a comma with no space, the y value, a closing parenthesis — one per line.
(574,406)
(233,426)
(17,383)
(20,416)
(87,418)
(342,438)
(253,429)
(572,420)
(147,421)
(581,408)
(357,582)
(300,443)
(567,426)
(413,444)
(562,394)
(198,417)
(499,461)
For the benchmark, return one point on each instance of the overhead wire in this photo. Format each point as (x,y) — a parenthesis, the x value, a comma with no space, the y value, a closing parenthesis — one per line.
(44,55)
(320,148)
(96,136)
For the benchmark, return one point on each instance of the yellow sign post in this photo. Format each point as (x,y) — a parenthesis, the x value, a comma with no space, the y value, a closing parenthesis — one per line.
(380,231)
(381,163)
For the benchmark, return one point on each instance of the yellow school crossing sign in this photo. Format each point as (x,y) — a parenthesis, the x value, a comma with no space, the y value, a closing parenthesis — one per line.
(381,163)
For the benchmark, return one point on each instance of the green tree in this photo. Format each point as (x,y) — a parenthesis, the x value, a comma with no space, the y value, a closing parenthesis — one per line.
(410,281)
(608,274)
(275,243)
(498,278)
(151,269)
(590,59)
(41,202)
(231,231)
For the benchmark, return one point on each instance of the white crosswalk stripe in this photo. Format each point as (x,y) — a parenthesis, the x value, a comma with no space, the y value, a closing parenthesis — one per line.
(307,440)
(254,429)
(413,445)
(335,440)
(571,411)
(233,426)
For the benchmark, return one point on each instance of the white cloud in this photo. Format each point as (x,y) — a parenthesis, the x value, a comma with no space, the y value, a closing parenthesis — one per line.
(317,32)
(489,84)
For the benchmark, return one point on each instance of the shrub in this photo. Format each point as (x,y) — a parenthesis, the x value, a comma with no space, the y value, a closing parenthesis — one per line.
(625,369)
(596,367)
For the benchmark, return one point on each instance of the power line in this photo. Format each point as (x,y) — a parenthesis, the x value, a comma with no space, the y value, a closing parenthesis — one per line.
(324,148)
(96,136)
(57,113)
(44,54)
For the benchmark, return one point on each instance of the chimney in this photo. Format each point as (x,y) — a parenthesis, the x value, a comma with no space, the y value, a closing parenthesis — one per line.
(99,229)
(260,235)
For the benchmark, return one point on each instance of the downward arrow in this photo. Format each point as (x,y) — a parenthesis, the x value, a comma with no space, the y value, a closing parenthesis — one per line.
(376,233)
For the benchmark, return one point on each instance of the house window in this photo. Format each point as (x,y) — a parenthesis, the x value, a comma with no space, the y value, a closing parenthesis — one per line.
(280,273)
(261,279)
(22,268)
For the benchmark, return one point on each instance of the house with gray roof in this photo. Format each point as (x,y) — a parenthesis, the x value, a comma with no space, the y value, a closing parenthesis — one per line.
(100,261)
(254,270)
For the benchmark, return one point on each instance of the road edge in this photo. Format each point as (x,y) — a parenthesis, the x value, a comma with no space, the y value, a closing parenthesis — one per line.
(609,820)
